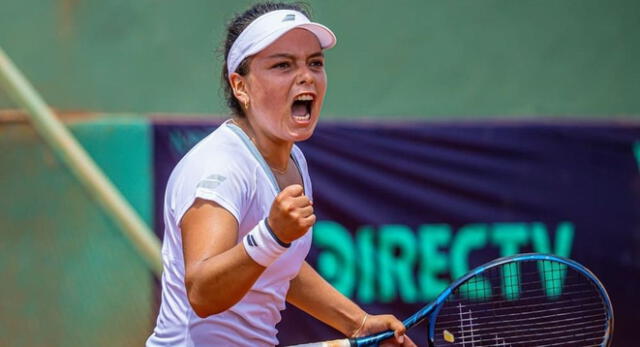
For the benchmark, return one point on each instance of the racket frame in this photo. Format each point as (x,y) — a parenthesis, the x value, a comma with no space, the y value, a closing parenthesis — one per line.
(431,310)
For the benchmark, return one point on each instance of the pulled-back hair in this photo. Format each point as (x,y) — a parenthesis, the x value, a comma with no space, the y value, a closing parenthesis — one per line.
(234,28)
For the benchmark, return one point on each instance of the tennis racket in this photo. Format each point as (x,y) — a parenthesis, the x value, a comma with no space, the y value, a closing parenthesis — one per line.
(521,300)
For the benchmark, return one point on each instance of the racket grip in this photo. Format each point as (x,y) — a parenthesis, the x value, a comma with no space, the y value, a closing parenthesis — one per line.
(332,343)
(373,340)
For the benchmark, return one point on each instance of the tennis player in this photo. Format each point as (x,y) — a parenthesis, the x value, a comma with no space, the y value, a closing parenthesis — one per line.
(238,207)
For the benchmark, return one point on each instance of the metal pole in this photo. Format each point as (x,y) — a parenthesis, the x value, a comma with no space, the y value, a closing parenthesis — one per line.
(71,152)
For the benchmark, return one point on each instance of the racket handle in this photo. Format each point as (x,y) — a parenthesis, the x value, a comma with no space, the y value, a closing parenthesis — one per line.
(332,343)
(372,340)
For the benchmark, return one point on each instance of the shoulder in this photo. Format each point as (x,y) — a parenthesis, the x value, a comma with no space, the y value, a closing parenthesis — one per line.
(221,151)
(219,158)
(218,168)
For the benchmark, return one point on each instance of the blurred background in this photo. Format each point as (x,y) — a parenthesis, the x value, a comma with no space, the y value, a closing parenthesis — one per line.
(511,112)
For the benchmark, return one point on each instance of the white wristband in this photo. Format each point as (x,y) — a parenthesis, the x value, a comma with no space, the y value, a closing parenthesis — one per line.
(263,245)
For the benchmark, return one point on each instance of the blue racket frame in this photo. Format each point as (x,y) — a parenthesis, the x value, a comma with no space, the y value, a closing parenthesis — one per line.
(431,311)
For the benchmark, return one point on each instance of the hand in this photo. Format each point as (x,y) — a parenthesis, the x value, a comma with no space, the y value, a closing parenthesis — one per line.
(383,322)
(291,214)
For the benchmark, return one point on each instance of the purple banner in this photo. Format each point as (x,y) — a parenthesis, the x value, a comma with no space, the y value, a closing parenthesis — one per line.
(405,208)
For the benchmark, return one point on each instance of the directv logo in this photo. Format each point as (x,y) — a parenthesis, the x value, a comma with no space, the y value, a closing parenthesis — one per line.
(289,17)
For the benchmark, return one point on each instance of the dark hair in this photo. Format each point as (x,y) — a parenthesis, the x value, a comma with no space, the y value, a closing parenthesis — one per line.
(234,28)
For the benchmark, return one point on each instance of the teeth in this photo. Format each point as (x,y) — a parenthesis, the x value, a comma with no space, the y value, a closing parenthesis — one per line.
(302,118)
(304,97)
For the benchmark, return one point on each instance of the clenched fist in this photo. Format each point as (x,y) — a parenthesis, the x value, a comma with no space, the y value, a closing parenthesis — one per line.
(291,214)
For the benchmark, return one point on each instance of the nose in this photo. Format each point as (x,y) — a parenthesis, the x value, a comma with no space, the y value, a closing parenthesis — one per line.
(305,76)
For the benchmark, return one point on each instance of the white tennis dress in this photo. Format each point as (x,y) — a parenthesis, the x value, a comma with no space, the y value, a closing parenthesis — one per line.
(227,168)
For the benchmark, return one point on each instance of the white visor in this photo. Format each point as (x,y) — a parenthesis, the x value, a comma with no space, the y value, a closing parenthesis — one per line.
(267,28)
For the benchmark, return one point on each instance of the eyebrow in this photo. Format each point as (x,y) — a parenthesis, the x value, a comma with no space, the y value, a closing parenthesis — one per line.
(292,57)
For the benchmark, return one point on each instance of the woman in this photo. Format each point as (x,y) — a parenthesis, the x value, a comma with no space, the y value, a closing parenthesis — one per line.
(238,208)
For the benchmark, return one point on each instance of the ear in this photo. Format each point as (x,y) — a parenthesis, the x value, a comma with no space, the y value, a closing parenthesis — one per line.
(239,86)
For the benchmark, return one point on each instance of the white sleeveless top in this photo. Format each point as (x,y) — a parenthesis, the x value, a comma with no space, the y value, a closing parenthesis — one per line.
(227,168)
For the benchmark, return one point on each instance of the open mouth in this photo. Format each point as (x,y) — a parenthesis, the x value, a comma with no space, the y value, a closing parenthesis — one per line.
(301,107)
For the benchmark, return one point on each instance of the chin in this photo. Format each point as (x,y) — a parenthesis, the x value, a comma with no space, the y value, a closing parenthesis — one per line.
(298,135)
(302,133)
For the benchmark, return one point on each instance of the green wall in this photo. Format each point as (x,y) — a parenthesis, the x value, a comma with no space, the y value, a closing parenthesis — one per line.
(69,277)
(394,58)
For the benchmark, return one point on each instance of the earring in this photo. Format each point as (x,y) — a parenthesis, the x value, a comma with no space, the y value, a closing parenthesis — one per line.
(246,104)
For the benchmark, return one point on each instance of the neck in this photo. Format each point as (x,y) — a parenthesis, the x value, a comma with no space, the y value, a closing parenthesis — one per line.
(274,151)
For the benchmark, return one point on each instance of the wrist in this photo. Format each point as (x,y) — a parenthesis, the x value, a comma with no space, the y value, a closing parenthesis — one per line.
(359,324)
(273,234)
(261,245)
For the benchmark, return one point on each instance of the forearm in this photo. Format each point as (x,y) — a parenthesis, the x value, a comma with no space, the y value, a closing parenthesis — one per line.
(312,294)
(219,282)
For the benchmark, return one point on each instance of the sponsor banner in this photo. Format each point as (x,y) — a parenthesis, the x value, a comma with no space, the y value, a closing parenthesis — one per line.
(405,208)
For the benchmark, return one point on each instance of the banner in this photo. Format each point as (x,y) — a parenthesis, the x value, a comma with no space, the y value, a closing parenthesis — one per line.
(405,208)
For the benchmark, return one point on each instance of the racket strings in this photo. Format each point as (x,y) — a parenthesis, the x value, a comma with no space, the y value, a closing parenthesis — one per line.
(533,331)
(481,336)
(526,288)
(525,304)
(530,322)
(500,341)
(479,290)
(589,302)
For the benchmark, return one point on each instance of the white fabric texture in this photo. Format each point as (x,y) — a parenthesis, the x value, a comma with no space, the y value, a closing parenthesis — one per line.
(267,28)
(226,168)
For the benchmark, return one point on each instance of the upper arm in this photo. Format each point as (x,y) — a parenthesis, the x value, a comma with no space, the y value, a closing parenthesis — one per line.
(207,230)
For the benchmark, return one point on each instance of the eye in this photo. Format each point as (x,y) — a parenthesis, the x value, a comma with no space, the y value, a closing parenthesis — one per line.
(281,65)
(317,63)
